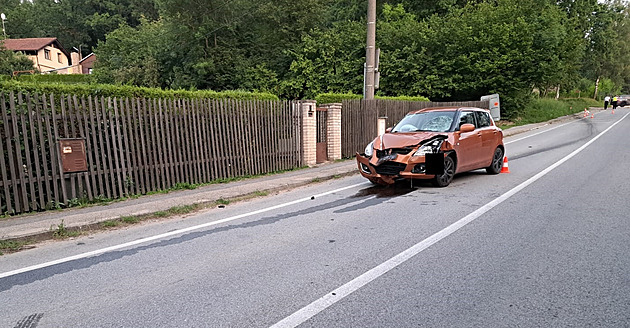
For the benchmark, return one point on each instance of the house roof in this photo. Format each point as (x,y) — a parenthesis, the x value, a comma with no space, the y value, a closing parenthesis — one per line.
(32,44)
(86,57)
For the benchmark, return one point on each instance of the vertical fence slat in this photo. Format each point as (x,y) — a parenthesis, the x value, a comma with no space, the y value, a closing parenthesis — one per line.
(79,113)
(3,166)
(130,142)
(157,147)
(39,180)
(217,136)
(200,155)
(96,147)
(169,143)
(109,147)
(101,119)
(166,179)
(56,120)
(88,131)
(205,141)
(21,188)
(140,123)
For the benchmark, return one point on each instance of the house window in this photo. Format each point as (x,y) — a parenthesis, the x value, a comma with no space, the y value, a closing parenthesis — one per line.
(47,54)
(59,58)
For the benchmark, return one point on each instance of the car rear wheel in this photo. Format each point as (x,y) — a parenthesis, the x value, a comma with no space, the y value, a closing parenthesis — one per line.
(497,162)
(445,178)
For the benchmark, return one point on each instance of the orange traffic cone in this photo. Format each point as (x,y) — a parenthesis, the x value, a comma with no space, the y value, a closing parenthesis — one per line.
(613,111)
(585,112)
(593,115)
(505,168)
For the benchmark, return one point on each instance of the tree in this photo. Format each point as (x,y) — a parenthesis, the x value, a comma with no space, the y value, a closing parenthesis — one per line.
(11,62)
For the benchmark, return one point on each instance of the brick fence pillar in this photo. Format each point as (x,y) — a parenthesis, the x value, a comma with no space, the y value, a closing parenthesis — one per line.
(333,131)
(309,132)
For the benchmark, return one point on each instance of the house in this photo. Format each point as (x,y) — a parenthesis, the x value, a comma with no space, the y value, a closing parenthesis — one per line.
(47,54)
(85,64)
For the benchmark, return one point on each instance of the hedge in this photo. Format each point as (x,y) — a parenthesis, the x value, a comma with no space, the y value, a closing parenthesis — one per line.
(56,78)
(108,90)
(327,98)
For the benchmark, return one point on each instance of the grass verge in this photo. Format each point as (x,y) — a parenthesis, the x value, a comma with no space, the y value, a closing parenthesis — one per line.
(544,109)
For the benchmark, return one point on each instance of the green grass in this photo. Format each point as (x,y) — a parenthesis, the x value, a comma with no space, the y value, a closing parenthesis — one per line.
(129,219)
(222,201)
(110,223)
(61,232)
(10,246)
(544,109)
(184,209)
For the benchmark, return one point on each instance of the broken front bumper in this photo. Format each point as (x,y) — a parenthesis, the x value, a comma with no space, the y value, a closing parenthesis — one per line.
(387,169)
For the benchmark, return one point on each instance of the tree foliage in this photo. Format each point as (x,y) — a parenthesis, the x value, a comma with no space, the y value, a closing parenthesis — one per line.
(11,62)
(444,49)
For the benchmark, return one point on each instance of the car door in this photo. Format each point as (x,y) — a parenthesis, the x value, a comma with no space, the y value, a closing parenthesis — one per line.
(488,136)
(468,145)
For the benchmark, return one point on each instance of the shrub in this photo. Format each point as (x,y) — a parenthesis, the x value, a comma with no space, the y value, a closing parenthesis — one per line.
(327,98)
(56,78)
(108,90)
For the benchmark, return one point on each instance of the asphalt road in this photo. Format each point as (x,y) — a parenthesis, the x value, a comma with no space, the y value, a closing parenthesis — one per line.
(544,246)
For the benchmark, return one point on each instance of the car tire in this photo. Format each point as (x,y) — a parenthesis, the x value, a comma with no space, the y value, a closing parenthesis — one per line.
(445,178)
(497,162)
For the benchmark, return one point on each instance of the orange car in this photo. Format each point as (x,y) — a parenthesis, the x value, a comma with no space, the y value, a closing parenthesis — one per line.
(434,143)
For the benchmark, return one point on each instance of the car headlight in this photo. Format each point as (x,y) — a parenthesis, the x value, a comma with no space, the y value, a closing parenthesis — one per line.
(429,148)
(369,149)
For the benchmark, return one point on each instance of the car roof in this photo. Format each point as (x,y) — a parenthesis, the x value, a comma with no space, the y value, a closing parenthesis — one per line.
(445,109)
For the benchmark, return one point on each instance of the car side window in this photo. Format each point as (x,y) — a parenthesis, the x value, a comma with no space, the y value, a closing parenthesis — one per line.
(467,118)
(483,119)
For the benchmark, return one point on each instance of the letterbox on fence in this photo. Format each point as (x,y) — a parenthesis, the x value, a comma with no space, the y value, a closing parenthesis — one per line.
(73,156)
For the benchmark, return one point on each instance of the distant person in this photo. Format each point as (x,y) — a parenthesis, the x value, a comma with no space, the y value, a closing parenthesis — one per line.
(614,102)
(606,102)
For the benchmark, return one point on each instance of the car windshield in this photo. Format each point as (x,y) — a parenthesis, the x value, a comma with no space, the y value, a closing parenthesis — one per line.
(438,121)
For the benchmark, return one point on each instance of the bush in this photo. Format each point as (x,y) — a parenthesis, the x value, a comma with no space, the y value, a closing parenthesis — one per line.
(56,78)
(541,110)
(327,98)
(108,90)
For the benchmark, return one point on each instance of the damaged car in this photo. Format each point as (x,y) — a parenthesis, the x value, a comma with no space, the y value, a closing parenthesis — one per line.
(434,144)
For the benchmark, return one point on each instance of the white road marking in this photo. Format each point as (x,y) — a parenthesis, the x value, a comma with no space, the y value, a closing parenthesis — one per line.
(168,234)
(340,293)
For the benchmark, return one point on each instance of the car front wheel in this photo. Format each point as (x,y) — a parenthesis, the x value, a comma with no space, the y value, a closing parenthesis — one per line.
(445,178)
(497,162)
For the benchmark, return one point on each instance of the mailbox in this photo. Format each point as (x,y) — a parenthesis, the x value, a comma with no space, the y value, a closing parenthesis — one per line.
(73,156)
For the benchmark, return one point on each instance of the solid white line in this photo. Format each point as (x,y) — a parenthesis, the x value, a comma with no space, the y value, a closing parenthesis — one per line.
(338,294)
(168,234)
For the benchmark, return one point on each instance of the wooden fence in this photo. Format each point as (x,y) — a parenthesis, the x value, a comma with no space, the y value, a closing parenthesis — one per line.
(359,119)
(136,146)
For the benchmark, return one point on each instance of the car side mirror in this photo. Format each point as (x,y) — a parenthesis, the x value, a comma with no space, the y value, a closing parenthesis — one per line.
(388,130)
(467,128)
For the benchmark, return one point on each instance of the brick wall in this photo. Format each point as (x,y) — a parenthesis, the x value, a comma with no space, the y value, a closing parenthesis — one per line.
(309,132)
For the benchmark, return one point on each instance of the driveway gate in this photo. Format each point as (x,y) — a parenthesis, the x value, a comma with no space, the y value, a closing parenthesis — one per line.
(322,132)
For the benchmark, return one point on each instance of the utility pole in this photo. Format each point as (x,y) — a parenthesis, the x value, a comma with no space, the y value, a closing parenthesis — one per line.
(370,51)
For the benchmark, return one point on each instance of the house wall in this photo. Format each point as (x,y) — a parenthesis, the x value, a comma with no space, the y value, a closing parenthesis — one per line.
(57,59)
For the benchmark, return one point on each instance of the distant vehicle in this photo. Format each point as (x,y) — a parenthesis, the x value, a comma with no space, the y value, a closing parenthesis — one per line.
(435,144)
(623,100)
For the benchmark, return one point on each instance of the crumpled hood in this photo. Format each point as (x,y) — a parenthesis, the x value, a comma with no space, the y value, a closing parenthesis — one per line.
(400,140)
